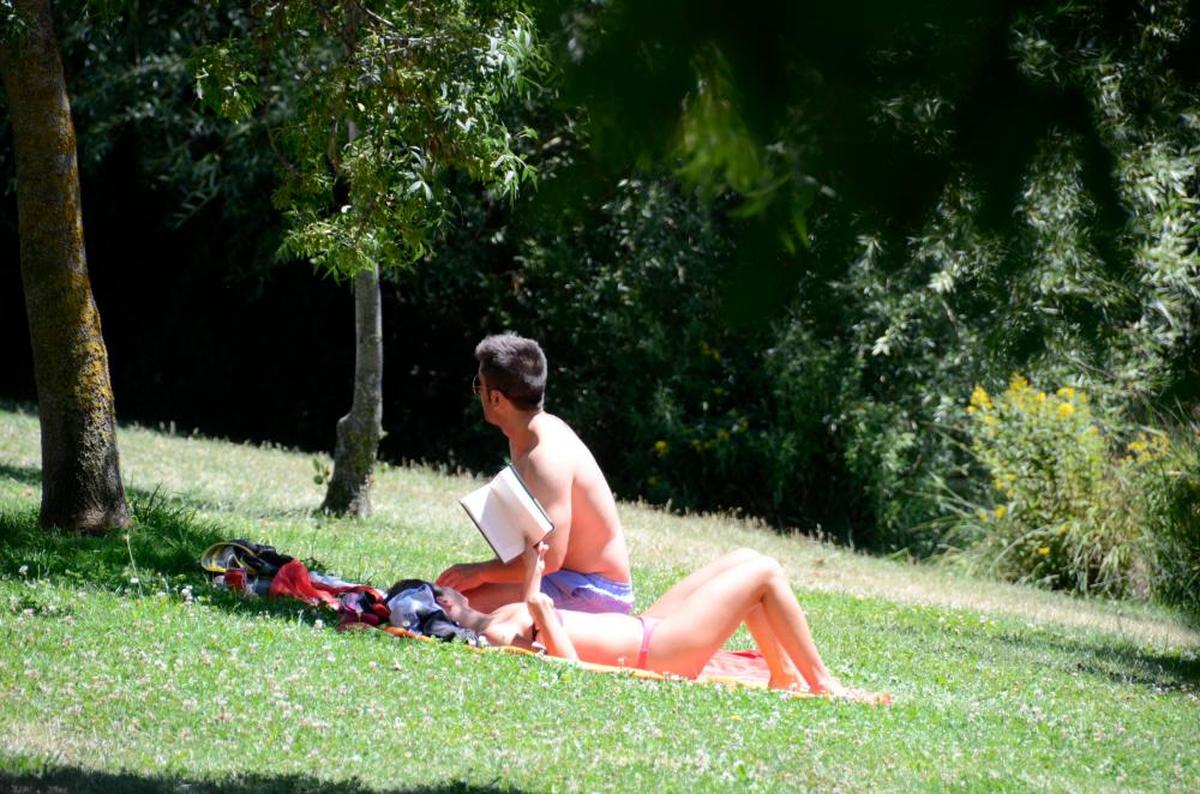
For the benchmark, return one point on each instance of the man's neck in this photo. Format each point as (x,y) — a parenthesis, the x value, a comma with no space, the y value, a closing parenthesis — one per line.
(521,437)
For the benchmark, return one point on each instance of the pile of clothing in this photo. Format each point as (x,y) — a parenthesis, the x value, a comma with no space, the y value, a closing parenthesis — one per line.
(409,605)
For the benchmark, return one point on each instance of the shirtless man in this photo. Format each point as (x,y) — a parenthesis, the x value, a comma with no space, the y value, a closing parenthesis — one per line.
(587,562)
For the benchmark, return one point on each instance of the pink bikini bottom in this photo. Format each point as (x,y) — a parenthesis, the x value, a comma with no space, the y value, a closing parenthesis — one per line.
(649,624)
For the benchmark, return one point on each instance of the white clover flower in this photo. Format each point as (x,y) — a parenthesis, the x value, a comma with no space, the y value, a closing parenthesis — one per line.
(23,570)
(134,580)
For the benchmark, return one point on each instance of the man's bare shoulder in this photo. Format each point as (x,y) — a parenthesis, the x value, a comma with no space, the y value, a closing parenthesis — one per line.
(557,444)
(549,428)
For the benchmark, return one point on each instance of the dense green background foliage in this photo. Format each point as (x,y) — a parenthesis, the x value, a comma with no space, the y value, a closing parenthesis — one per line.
(768,278)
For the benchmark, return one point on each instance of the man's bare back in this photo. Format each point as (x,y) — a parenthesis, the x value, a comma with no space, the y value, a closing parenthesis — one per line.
(595,543)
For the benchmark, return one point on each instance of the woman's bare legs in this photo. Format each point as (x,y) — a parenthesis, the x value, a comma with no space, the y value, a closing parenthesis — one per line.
(783,673)
(699,623)
(683,589)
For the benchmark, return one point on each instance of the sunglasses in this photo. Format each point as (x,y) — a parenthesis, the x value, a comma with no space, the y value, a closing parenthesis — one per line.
(477,387)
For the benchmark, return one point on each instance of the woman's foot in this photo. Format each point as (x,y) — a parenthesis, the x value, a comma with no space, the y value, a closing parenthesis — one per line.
(792,683)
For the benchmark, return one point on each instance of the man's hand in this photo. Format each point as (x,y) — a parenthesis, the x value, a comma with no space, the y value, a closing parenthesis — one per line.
(462,577)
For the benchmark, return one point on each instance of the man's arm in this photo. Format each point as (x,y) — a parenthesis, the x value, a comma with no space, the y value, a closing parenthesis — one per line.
(550,483)
(469,575)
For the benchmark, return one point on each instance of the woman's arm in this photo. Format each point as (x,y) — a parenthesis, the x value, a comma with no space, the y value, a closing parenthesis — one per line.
(550,628)
(541,606)
(534,559)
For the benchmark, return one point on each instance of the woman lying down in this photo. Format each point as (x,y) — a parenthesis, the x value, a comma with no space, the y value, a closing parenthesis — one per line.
(678,634)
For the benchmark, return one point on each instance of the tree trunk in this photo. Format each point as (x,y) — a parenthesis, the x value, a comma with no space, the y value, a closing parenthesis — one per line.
(81,478)
(359,431)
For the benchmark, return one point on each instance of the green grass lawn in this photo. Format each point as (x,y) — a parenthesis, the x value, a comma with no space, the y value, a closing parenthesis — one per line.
(120,669)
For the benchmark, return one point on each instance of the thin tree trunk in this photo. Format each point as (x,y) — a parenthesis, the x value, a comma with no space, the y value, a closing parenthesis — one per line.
(359,431)
(81,478)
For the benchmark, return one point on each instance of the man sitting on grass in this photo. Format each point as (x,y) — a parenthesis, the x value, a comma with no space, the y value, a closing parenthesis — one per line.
(587,563)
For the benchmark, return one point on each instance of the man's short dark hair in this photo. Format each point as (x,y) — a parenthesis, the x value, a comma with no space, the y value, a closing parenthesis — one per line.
(514,365)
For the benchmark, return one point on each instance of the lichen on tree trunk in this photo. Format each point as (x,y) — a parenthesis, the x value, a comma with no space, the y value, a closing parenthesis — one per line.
(81,479)
(359,432)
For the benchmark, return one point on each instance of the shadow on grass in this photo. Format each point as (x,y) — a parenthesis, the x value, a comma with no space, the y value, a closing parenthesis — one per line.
(165,538)
(1121,662)
(21,474)
(71,779)
(161,550)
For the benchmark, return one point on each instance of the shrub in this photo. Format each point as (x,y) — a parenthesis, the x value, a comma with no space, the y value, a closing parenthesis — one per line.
(1173,496)
(1070,509)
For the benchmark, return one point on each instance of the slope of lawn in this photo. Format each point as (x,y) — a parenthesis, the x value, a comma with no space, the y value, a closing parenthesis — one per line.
(120,669)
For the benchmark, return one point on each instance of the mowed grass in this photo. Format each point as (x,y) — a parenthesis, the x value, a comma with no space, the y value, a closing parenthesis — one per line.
(120,669)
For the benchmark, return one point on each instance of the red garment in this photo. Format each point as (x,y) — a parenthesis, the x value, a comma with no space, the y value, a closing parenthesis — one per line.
(293,581)
(748,666)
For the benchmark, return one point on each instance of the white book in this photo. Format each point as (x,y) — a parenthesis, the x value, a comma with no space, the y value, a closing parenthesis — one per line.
(508,516)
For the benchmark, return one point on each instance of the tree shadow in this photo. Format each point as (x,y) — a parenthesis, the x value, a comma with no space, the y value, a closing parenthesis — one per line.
(26,475)
(159,552)
(166,537)
(58,779)
(1120,661)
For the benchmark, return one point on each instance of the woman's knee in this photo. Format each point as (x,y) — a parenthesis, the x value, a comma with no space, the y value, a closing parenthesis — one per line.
(770,566)
(744,554)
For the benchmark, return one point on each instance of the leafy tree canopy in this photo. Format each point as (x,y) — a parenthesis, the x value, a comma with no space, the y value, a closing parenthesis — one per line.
(875,106)
(368,106)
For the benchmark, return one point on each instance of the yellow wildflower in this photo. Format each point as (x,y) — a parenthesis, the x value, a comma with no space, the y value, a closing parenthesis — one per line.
(1041,396)
(708,350)
(984,515)
(1066,392)
(1017,383)
(1044,551)
(980,398)
(1001,511)
(661,447)
(989,420)
(722,435)
(1065,410)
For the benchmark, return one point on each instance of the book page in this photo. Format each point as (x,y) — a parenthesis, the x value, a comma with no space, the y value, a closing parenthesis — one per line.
(525,515)
(507,515)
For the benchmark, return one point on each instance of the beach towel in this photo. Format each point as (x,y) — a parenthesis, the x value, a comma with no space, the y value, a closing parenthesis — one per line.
(362,606)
